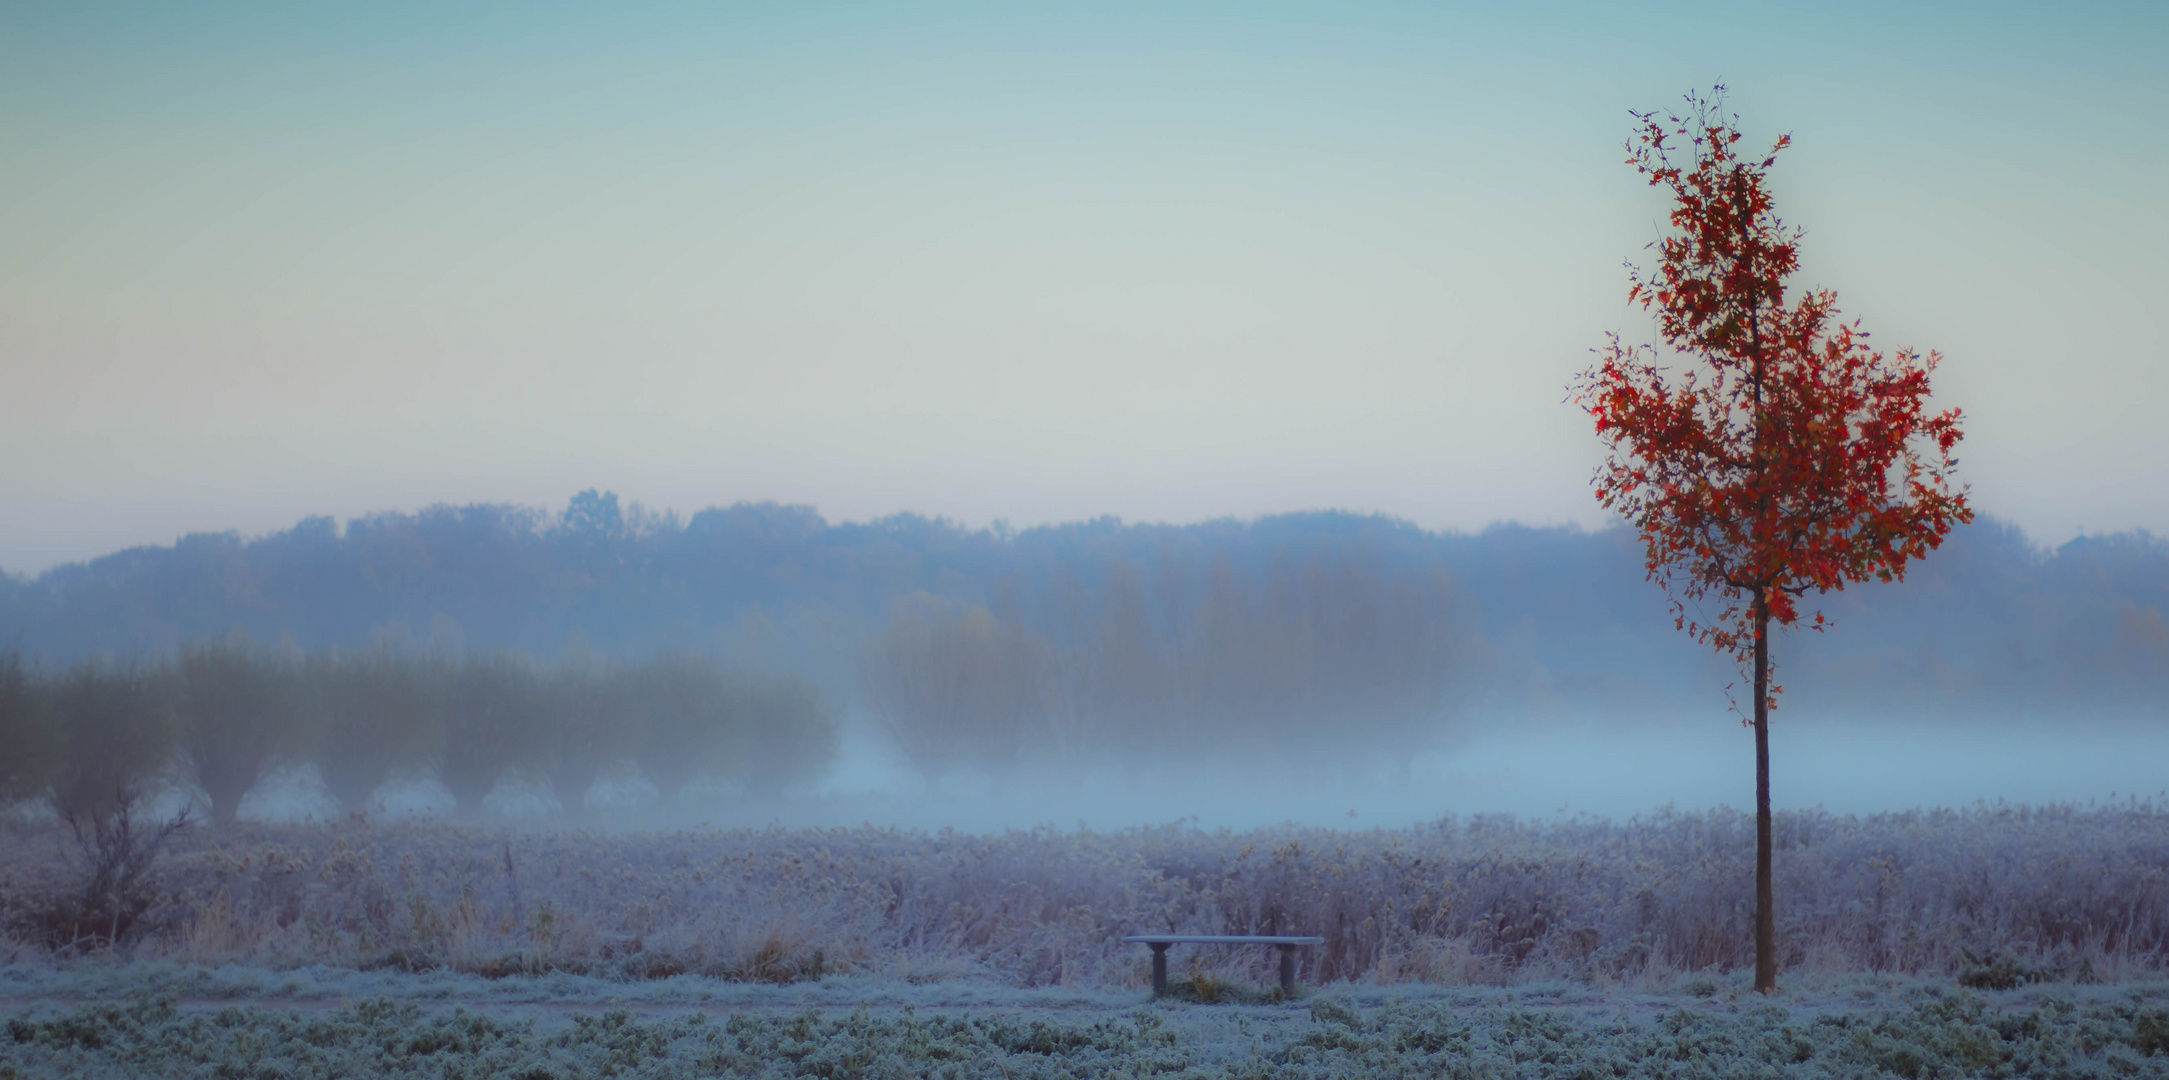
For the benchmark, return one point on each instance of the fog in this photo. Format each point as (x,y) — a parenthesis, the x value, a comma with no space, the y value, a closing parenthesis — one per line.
(1617,768)
(614,667)
(1614,770)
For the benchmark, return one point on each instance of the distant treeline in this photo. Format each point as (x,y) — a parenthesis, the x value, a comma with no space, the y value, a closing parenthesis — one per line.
(95,738)
(1522,619)
(1334,656)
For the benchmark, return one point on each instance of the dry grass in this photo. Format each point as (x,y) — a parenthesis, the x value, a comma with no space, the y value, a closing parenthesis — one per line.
(1992,893)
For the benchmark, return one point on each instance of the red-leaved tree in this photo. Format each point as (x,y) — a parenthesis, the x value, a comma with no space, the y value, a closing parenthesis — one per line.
(1782,455)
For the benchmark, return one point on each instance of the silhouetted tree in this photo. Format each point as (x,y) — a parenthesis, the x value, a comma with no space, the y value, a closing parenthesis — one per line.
(594,516)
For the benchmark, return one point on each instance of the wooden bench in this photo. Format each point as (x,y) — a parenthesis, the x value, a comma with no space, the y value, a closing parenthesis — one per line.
(1286,945)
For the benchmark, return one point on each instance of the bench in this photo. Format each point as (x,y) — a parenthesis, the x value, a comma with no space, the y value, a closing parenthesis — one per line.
(1286,944)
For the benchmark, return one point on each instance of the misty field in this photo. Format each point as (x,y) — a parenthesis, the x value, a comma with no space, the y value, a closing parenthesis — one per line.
(2008,940)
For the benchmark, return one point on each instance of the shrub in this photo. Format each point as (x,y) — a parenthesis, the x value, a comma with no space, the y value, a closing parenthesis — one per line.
(116,887)
(117,733)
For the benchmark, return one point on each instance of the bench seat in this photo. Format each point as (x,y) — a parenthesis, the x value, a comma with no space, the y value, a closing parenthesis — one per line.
(1284,943)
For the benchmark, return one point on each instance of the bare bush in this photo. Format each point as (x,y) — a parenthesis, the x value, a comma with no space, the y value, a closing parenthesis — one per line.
(117,739)
(116,885)
(239,708)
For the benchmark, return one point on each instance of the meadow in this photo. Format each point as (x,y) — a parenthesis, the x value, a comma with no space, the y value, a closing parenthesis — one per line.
(1995,940)
(1996,894)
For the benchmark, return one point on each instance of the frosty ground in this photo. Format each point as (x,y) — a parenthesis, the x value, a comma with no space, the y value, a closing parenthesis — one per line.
(151,1019)
(1998,940)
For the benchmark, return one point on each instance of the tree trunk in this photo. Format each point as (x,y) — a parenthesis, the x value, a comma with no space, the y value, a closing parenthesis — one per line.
(1765,915)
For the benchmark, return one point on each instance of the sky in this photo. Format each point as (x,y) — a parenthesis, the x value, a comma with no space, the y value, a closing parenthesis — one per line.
(1028,263)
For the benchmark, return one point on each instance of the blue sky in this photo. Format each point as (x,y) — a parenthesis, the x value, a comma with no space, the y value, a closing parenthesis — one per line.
(1027,263)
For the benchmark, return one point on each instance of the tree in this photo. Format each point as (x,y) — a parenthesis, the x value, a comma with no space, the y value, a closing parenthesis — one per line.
(117,732)
(588,713)
(951,685)
(29,742)
(116,724)
(1789,458)
(688,720)
(788,736)
(238,708)
(379,712)
(491,723)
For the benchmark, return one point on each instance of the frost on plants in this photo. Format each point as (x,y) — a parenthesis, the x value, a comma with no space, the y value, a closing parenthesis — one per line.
(1996,897)
(1939,1036)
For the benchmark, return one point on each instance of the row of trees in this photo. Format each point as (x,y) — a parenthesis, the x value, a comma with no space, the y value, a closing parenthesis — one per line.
(93,738)
(1331,655)
(1564,614)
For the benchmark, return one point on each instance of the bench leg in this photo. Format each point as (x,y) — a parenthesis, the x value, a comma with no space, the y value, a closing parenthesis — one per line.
(1287,970)
(1159,967)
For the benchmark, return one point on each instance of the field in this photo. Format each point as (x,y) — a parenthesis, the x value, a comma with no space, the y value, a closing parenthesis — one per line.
(181,1021)
(1998,940)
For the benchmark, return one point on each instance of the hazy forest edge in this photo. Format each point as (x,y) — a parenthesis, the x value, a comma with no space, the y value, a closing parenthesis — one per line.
(1993,626)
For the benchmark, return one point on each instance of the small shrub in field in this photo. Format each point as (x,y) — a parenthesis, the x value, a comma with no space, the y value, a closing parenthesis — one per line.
(1995,971)
(115,886)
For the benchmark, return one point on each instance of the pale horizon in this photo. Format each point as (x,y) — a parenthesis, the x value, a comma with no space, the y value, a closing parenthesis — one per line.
(968,262)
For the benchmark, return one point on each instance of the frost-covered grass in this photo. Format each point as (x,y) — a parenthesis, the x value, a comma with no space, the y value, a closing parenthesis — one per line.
(1994,896)
(1844,1026)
